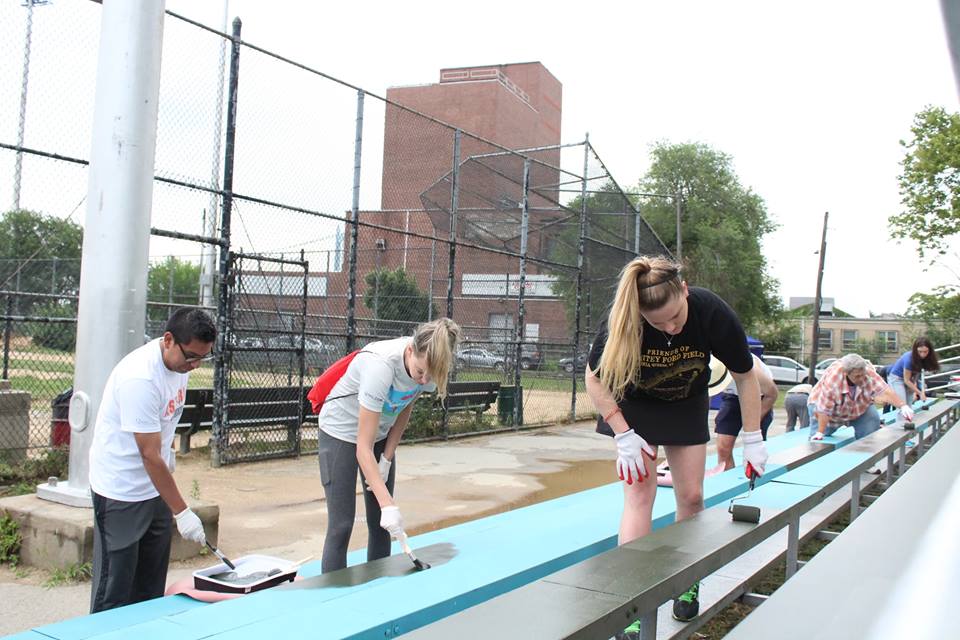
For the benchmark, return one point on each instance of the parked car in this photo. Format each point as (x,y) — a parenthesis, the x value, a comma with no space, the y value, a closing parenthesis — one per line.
(579,363)
(822,367)
(531,355)
(480,358)
(786,370)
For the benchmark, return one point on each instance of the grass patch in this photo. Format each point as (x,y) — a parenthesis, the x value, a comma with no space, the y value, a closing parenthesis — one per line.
(73,574)
(10,540)
(27,472)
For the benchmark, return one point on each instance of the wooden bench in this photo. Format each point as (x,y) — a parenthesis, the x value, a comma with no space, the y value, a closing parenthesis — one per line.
(248,407)
(477,396)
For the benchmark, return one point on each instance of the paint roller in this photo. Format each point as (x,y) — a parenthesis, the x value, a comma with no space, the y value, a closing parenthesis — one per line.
(746,512)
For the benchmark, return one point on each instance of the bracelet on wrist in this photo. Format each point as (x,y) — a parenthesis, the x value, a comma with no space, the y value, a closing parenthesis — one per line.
(607,417)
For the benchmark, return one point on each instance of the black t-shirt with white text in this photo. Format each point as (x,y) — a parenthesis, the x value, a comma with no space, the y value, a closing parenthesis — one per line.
(670,403)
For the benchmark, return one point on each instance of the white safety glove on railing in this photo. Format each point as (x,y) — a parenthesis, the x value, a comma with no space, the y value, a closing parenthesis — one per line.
(907,412)
(190,527)
(392,521)
(630,451)
(754,450)
(817,435)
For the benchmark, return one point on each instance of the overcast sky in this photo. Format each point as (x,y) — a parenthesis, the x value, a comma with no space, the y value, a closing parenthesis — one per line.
(810,99)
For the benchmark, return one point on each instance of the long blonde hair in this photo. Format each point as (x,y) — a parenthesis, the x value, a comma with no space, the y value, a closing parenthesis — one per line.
(646,284)
(438,341)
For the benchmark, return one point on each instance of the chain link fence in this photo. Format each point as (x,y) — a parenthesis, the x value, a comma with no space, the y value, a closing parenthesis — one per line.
(312,225)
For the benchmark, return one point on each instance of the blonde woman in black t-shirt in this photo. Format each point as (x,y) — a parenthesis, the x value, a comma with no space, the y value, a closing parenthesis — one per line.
(647,376)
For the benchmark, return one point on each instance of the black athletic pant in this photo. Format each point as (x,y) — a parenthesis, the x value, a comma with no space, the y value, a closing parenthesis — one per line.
(131,551)
(338,473)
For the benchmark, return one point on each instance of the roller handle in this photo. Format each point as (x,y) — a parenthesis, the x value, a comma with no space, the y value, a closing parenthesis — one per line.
(751,475)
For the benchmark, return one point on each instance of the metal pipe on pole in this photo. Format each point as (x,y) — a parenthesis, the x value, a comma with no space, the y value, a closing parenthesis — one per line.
(354,228)
(817,303)
(113,272)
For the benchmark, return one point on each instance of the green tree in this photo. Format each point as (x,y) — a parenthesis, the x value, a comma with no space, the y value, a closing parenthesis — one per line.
(40,254)
(722,222)
(396,300)
(940,310)
(930,183)
(171,281)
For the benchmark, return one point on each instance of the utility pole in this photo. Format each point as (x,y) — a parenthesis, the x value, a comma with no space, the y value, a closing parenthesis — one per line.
(815,347)
(679,235)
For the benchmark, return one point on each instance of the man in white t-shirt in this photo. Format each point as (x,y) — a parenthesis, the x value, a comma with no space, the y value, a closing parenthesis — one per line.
(131,460)
(729,421)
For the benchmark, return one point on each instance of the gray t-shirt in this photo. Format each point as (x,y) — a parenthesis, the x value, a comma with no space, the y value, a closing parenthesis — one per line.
(378,381)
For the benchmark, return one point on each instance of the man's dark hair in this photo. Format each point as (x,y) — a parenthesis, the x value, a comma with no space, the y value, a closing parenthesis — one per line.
(187,324)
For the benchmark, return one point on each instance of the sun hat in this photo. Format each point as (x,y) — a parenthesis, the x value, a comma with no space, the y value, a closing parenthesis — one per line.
(720,377)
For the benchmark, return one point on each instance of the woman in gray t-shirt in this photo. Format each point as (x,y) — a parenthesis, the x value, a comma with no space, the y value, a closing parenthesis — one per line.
(361,424)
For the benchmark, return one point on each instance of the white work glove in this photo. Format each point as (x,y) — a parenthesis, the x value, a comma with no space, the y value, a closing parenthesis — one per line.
(190,527)
(754,450)
(907,412)
(630,449)
(817,435)
(383,465)
(392,521)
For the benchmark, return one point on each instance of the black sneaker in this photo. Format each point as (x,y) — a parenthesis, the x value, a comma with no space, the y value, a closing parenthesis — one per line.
(687,606)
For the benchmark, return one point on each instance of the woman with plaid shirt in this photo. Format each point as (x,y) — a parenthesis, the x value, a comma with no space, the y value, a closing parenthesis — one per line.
(846,395)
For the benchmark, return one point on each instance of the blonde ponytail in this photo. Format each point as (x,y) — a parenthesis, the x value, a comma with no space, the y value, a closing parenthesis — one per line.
(646,283)
(438,341)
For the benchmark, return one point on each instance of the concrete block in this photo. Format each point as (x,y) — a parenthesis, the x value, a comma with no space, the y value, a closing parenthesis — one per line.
(56,536)
(14,425)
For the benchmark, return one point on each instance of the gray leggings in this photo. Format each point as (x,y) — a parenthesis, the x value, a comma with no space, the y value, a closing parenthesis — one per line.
(338,473)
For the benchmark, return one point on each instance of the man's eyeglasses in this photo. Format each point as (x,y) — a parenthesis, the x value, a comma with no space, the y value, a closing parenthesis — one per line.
(195,358)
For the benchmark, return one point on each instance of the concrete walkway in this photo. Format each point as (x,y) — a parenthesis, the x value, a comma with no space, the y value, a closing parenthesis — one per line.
(276,507)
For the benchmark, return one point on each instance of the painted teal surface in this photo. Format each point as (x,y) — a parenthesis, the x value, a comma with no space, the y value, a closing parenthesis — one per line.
(27,635)
(823,470)
(495,554)
(122,618)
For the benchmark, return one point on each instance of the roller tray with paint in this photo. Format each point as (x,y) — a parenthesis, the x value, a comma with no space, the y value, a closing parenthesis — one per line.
(253,573)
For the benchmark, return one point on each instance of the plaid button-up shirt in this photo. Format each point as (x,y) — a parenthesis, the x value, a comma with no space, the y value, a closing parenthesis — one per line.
(841,401)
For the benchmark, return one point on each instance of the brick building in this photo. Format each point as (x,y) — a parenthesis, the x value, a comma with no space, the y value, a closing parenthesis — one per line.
(517,106)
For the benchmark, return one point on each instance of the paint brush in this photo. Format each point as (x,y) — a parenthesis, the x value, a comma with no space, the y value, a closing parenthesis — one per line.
(417,562)
(222,557)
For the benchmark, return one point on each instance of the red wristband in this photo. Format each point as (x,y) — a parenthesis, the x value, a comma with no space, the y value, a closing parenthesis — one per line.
(607,417)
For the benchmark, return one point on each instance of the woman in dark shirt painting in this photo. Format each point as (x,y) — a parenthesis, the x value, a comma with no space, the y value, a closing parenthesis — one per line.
(647,376)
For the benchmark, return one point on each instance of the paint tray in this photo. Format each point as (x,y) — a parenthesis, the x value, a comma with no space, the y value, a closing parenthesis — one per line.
(212,578)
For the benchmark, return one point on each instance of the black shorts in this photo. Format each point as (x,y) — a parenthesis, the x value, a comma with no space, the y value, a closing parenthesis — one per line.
(681,422)
(729,421)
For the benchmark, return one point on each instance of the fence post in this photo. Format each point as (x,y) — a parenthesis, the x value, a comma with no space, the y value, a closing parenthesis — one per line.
(355,228)
(521,311)
(580,242)
(7,329)
(452,261)
(303,358)
(221,371)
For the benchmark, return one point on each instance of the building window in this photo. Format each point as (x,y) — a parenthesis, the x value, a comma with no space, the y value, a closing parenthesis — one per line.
(850,337)
(826,339)
(887,341)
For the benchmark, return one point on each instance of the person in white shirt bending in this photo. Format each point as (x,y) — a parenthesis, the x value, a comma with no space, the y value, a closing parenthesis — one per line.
(361,423)
(131,461)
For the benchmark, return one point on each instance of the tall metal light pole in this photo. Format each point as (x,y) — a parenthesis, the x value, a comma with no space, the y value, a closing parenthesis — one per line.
(18,163)
(815,349)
